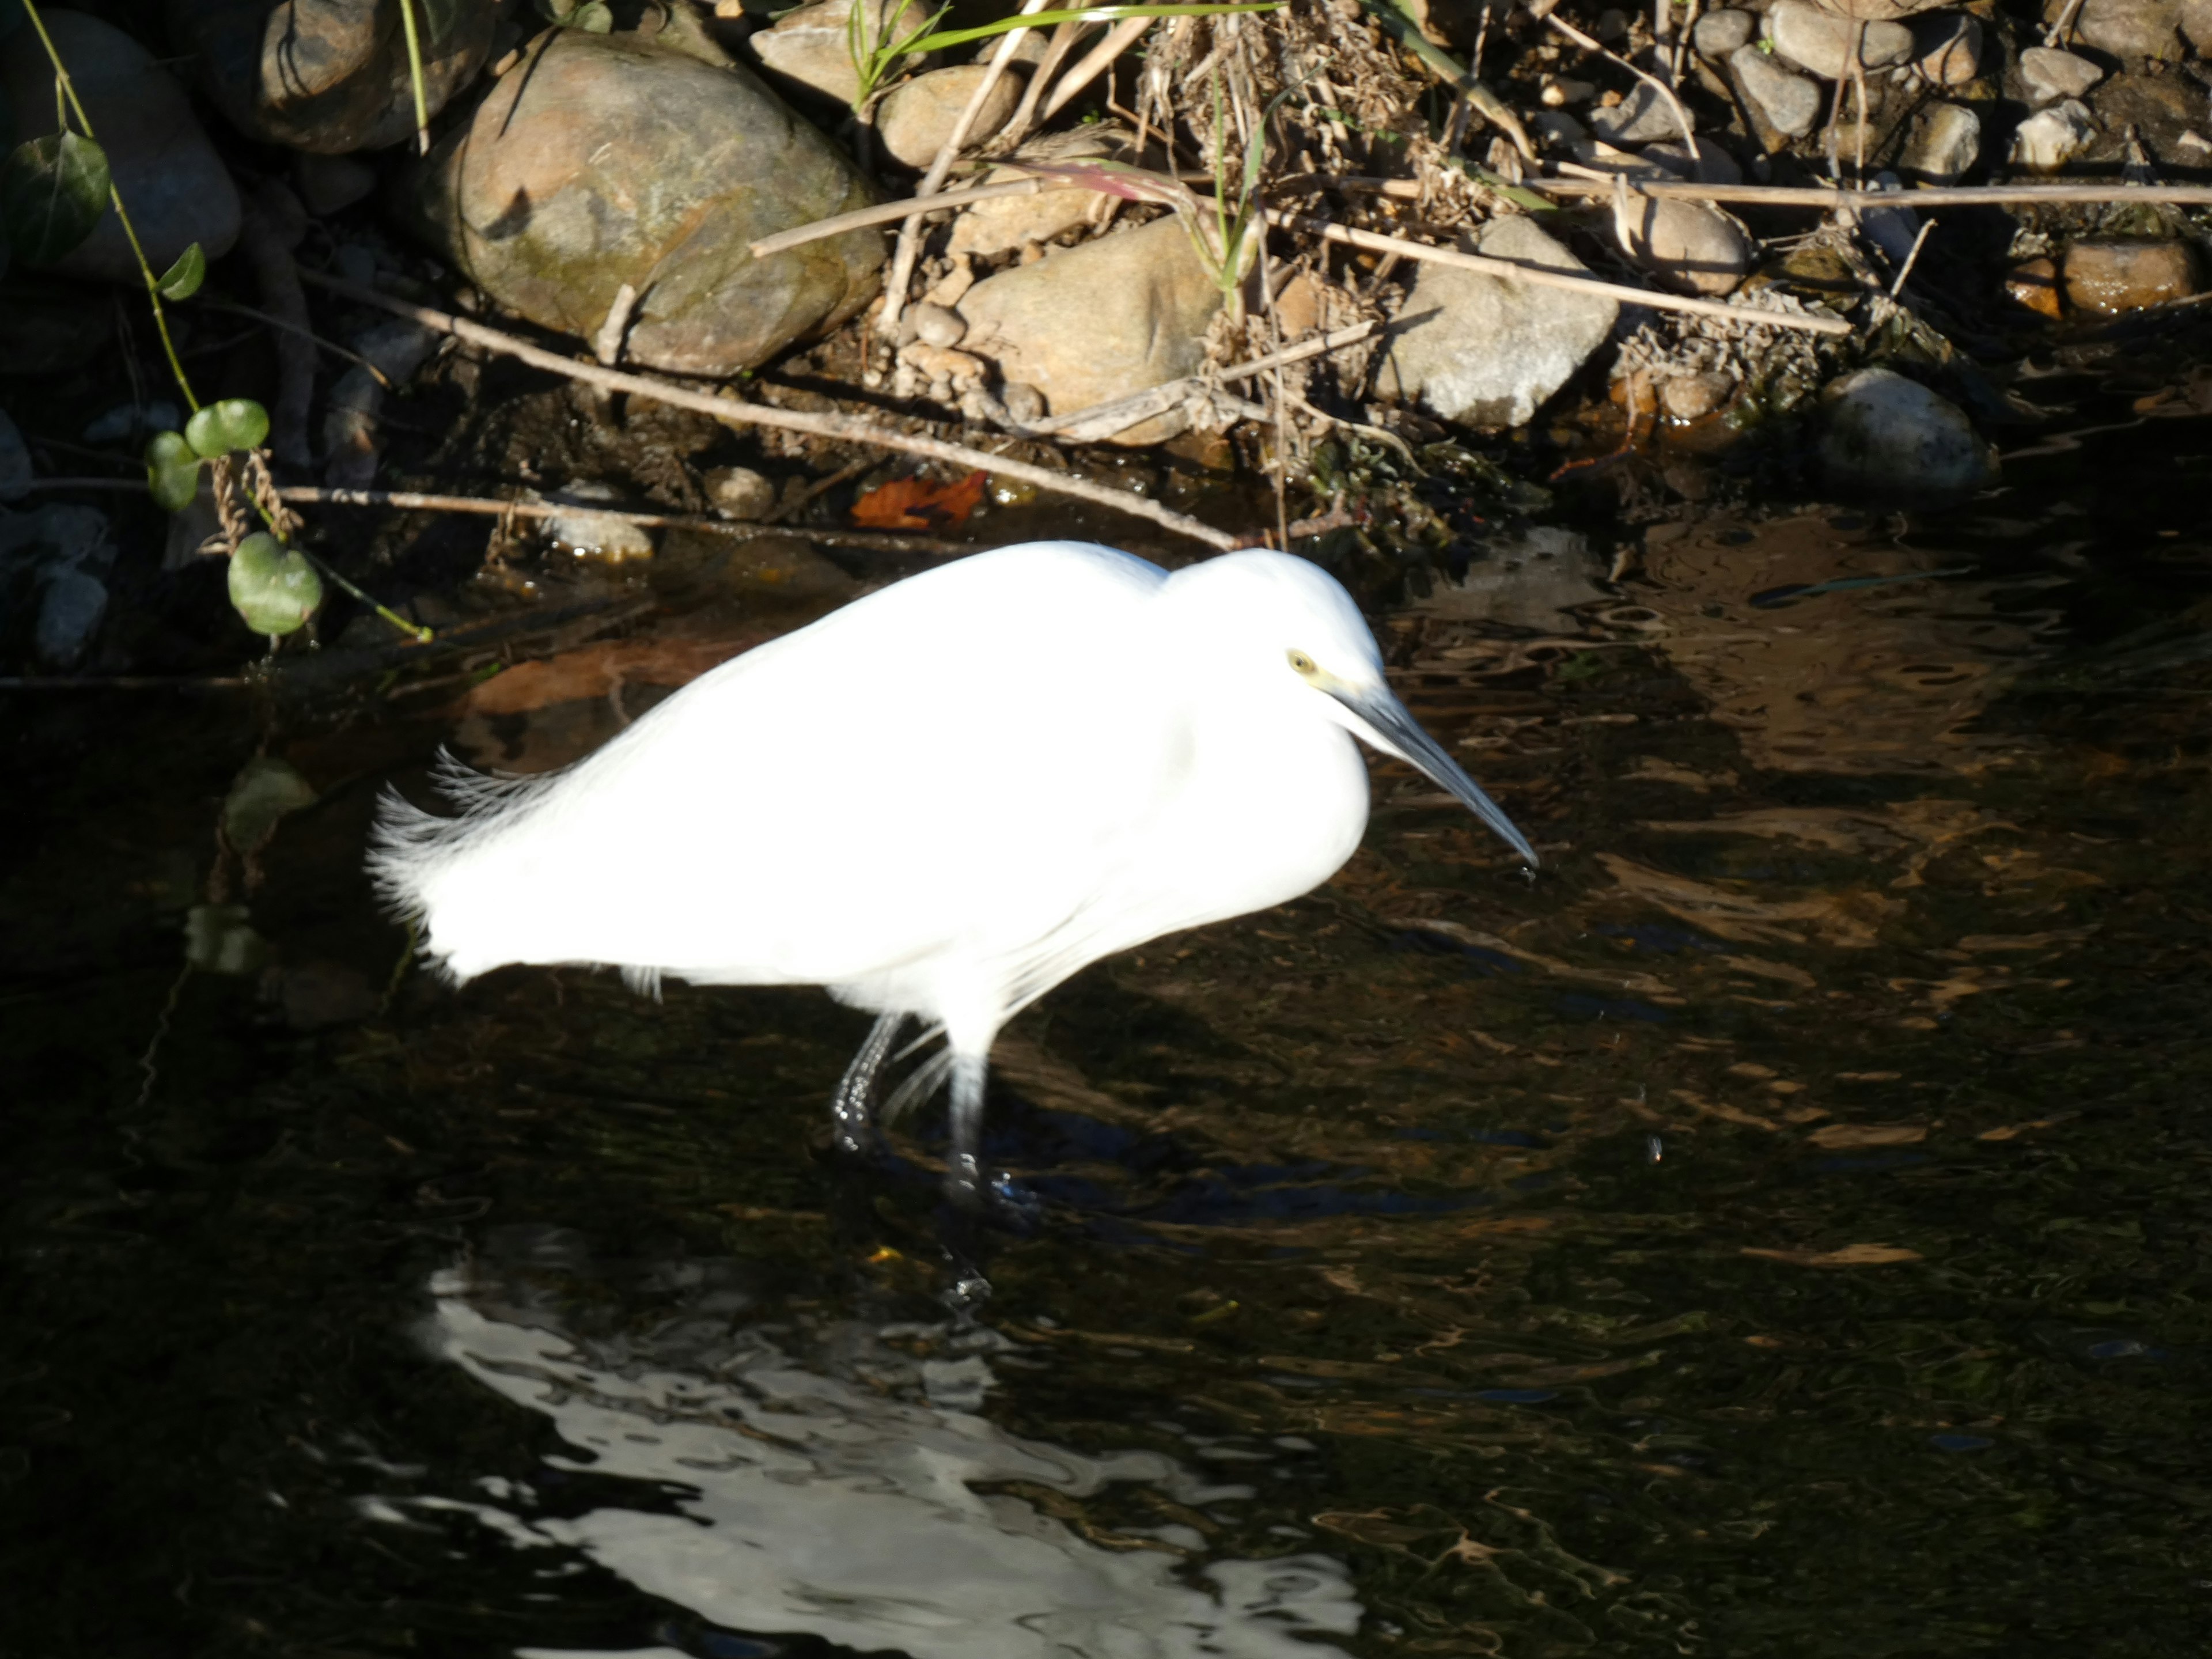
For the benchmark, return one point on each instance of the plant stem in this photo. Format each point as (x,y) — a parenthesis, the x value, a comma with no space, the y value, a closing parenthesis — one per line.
(415,77)
(415,631)
(115,199)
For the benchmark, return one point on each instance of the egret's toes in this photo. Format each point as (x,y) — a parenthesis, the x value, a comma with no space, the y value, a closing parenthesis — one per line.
(998,1199)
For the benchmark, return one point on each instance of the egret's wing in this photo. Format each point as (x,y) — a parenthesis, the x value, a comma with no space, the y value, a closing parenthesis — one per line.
(936,759)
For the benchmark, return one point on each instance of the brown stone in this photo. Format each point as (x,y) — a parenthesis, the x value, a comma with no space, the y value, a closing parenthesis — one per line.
(2033,284)
(2113,277)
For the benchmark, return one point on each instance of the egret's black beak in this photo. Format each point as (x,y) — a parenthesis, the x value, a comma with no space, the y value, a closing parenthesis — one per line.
(1391,729)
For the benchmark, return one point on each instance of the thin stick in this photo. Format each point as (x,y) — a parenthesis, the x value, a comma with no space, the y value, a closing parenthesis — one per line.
(1829,199)
(845,429)
(410,500)
(1123,35)
(885,212)
(1063,42)
(909,237)
(331,346)
(1117,414)
(1542,278)
(1681,115)
(1912,258)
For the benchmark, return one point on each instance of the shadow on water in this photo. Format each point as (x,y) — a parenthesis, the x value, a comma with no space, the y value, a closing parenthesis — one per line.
(1781,1229)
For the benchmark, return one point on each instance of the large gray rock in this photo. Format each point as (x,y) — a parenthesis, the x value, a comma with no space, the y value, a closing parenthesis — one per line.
(328,75)
(1488,351)
(1790,102)
(175,184)
(1893,438)
(1821,41)
(1091,323)
(605,161)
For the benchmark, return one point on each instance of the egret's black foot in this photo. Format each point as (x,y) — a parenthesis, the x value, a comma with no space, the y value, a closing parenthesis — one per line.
(998,1199)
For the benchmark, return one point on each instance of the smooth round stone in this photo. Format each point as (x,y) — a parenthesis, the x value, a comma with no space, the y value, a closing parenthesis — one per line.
(1692,248)
(1891,437)
(1717,33)
(2115,277)
(738,492)
(915,120)
(1790,102)
(937,325)
(1821,41)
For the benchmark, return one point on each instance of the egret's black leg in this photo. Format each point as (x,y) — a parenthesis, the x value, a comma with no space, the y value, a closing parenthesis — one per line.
(851,1109)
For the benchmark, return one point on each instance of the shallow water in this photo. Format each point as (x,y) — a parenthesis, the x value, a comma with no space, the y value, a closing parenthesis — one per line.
(1779,1230)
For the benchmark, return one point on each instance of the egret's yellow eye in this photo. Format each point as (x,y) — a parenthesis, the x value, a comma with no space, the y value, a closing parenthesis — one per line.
(1304,664)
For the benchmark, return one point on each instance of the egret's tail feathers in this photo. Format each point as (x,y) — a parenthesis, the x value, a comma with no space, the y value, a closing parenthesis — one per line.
(919,1085)
(414,855)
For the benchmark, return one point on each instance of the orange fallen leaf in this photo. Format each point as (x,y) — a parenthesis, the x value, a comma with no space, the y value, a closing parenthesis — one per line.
(1834,1135)
(1852,1255)
(919,504)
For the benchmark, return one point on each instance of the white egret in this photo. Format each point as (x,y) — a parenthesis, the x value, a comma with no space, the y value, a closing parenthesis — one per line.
(942,800)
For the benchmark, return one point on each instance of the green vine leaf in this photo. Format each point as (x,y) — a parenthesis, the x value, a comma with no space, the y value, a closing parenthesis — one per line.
(52,192)
(273,586)
(182,280)
(233,424)
(172,471)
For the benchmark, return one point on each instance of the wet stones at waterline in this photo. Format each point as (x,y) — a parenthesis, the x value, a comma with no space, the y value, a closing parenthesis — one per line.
(164,167)
(1486,349)
(603,163)
(328,75)
(1889,438)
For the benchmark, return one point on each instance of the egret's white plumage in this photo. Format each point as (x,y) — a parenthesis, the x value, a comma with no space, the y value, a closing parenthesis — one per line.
(943,800)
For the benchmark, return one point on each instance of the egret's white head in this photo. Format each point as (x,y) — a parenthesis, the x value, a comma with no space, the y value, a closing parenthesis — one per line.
(1288,634)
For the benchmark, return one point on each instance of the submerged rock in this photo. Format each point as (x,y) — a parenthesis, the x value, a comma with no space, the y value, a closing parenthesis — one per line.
(610,161)
(328,76)
(169,174)
(738,492)
(2113,276)
(1088,324)
(1488,351)
(1891,437)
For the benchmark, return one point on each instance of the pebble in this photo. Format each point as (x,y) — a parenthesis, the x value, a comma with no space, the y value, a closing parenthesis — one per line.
(2113,276)
(1639,118)
(1717,33)
(1891,437)
(1693,396)
(943,363)
(1945,144)
(1690,248)
(1710,164)
(1947,48)
(914,122)
(2050,138)
(937,325)
(1560,91)
(740,493)
(1790,103)
(2034,284)
(1091,323)
(2049,75)
(1821,40)
(163,164)
(1486,349)
(1022,401)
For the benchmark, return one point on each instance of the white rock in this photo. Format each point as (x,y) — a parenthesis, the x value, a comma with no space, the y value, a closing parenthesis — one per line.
(1790,103)
(917,117)
(1488,351)
(2050,138)
(1946,142)
(936,326)
(1692,248)
(597,535)
(1821,41)
(1893,438)
(738,492)
(1085,325)
(2050,75)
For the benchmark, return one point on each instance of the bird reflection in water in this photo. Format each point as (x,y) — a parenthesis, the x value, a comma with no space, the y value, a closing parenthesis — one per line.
(842,1502)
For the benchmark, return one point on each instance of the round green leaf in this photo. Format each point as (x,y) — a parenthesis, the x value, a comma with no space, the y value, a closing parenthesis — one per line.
(172,471)
(52,192)
(182,280)
(233,424)
(272,586)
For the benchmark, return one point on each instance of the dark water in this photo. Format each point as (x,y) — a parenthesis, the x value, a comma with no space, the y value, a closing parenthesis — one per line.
(1781,1229)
